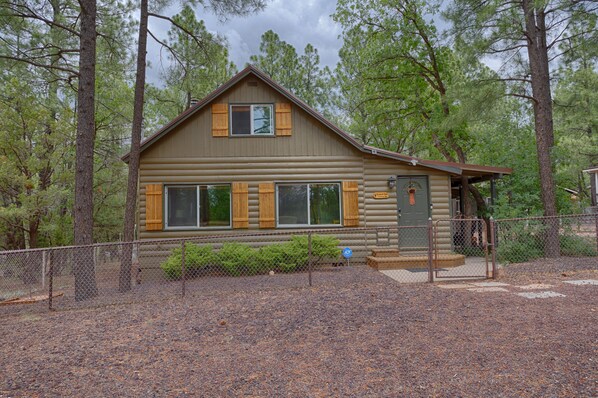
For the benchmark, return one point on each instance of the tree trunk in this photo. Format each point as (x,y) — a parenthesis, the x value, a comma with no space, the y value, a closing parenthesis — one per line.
(85,282)
(535,26)
(131,203)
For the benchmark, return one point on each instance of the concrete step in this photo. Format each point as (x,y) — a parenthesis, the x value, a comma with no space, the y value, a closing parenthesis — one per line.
(408,262)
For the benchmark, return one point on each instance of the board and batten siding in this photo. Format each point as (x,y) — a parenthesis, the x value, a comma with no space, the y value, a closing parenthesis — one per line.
(193,138)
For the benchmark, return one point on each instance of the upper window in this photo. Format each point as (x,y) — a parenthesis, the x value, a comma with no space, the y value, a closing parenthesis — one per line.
(197,206)
(251,120)
(309,204)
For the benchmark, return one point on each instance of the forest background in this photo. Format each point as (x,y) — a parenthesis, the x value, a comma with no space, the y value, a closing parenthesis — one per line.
(413,77)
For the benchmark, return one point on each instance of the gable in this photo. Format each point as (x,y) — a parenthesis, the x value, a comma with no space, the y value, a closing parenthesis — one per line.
(193,136)
(319,137)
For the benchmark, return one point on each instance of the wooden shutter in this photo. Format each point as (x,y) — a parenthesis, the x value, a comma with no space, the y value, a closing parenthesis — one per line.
(240,205)
(153,207)
(284,124)
(350,204)
(267,209)
(219,120)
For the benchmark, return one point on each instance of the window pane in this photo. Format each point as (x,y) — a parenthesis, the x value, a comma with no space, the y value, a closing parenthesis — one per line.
(292,204)
(214,207)
(182,207)
(240,117)
(262,120)
(324,204)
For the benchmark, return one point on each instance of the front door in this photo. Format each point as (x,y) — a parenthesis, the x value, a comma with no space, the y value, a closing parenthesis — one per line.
(413,212)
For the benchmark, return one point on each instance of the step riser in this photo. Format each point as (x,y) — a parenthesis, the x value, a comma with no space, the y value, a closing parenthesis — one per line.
(386,263)
(386,253)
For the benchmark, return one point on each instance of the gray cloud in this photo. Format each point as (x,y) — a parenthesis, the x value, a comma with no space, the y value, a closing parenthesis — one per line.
(297,22)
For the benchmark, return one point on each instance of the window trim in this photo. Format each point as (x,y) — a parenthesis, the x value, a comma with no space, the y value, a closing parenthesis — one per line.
(252,134)
(309,224)
(198,223)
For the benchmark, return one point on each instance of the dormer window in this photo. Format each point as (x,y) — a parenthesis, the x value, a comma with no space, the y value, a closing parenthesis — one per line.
(251,120)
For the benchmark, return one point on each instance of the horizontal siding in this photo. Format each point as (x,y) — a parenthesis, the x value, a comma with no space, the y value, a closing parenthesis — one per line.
(228,170)
(383,212)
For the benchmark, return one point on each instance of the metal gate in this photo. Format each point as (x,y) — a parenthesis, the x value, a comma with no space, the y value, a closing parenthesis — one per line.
(460,250)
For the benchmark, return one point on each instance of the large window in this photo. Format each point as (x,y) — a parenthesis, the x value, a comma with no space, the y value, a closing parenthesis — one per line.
(308,204)
(251,120)
(197,206)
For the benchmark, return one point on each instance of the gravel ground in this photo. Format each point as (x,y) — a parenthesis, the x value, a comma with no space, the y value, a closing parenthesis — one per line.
(355,333)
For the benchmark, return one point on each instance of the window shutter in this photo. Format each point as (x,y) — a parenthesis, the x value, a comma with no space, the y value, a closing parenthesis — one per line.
(267,198)
(219,120)
(240,205)
(153,207)
(284,125)
(350,203)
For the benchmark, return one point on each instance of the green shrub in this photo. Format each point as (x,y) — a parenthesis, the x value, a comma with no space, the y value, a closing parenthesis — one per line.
(196,258)
(293,255)
(520,250)
(322,247)
(577,246)
(271,257)
(525,247)
(238,259)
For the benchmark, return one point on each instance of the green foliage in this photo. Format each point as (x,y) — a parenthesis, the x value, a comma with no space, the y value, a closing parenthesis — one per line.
(196,259)
(526,244)
(293,255)
(198,66)
(302,75)
(577,246)
(576,131)
(524,248)
(238,259)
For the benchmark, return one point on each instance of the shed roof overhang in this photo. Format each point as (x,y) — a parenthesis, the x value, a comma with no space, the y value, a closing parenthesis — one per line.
(456,169)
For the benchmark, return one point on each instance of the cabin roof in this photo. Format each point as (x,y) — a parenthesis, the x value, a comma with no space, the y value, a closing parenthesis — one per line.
(449,167)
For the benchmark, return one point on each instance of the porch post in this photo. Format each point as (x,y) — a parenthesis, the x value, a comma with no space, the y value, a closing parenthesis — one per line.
(492,191)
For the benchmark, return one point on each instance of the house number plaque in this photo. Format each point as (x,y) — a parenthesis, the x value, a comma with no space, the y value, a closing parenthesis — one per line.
(380,195)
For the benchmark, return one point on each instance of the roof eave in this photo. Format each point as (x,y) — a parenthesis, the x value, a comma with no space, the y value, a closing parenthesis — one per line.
(410,159)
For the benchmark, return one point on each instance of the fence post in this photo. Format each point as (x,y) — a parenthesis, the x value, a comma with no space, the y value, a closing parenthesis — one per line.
(183,268)
(44,269)
(430,251)
(491,224)
(50,281)
(596,222)
(309,256)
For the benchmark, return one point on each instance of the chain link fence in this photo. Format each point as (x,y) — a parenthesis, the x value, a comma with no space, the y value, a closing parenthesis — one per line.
(154,270)
(114,273)
(546,245)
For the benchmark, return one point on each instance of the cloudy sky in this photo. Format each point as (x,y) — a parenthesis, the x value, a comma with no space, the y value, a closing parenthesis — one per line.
(296,22)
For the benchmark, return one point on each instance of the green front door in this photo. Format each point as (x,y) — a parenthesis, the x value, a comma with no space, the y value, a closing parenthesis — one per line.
(413,211)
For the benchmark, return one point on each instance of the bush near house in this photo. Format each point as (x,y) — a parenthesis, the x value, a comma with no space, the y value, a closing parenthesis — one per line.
(196,259)
(238,259)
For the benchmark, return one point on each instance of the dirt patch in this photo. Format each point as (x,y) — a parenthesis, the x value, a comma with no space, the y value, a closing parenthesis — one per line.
(355,333)
(551,267)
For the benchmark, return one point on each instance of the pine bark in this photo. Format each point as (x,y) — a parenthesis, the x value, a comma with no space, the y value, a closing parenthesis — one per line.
(85,282)
(133,179)
(535,29)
